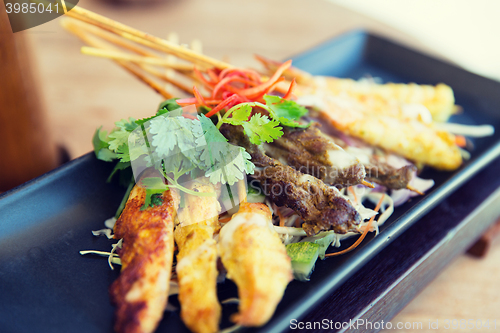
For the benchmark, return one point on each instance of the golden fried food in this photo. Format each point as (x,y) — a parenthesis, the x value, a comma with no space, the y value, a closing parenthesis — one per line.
(141,291)
(197,260)
(383,99)
(395,99)
(412,139)
(256,260)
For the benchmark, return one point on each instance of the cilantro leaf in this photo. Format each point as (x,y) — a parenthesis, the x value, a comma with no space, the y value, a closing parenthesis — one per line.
(164,108)
(260,128)
(249,166)
(169,105)
(231,167)
(114,145)
(160,112)
(106,155)
(127,125)
(174,144)
(286,111)
(170,133)
(210,132)
(123,153)
(118,138)
(239,115)
(154,189)
(211,143)
(100,140)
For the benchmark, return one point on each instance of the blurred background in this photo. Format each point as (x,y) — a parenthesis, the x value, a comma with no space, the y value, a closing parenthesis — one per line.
(64,96)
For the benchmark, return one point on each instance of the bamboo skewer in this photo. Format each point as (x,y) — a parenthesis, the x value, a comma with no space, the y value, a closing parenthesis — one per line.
(128,38)
(170,73)
(142,60)
(115,39)
(165,77)
(135,70)
(117,55)
(411,188)
(367,184)
(120,57)
(145,39)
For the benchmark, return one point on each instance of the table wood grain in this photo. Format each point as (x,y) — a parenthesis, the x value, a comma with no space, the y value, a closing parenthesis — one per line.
(82,93)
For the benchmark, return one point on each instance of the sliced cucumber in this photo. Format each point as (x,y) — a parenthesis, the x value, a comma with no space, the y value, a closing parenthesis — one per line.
(255,194)
(324,240)
(304,256)
(254,198)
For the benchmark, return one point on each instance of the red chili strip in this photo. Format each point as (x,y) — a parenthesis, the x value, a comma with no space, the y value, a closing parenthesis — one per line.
(271,88)
(258,89)
(214,101)
(223,104)
(213,76)
(224,83)
(200,76)
(250,73)
(186,101)
(289,92)
(198,96)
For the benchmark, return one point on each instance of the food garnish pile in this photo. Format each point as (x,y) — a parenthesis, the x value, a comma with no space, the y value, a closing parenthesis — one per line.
(253,175)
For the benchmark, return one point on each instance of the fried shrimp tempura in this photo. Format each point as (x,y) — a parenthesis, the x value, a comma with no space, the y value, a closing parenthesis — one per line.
(197,260)
(256,260)
(141,291)
(412,138)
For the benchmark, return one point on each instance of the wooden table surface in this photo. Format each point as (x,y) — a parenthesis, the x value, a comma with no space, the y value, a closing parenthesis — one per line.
(82,93)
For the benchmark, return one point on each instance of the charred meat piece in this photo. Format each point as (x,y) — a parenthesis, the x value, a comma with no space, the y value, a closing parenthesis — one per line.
(141,291)
(388,176)
(312,152)
(377,166)
(375,161)
(320,206)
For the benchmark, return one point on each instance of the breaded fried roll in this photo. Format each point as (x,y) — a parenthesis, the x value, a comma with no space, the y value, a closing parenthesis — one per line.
(256,260)
(141,291)
(197,259)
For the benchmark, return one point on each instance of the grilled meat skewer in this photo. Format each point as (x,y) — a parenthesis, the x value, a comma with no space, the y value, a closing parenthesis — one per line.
(312,152)
(320,206)
(390,177)
(333,161)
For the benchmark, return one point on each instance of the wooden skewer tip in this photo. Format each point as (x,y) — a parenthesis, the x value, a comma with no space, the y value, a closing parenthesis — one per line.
(367,184)
(411,188)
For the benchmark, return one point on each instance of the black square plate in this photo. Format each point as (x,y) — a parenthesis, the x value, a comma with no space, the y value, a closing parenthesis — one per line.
(46,286)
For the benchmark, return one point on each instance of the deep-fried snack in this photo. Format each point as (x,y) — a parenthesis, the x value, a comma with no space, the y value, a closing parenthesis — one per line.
(197,259)
(141,291)
(256,260)
(411,138)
